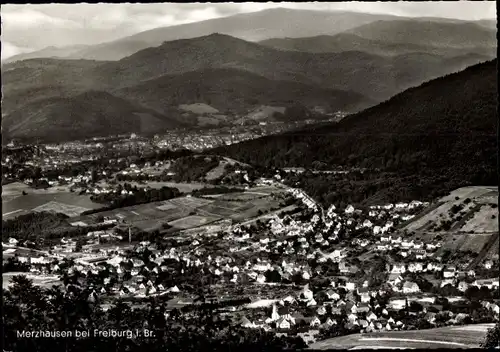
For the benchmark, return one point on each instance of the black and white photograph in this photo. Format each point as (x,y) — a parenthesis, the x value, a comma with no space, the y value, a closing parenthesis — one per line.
(253,176)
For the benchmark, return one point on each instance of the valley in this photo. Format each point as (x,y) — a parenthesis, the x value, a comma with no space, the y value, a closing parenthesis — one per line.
(250,176)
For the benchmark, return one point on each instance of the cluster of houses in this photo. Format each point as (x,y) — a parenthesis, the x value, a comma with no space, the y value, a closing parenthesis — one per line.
(301,195)
(360,309)
(354,303)
(356,308)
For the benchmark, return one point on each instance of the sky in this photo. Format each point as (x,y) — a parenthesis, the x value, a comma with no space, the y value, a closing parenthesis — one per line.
(27,27)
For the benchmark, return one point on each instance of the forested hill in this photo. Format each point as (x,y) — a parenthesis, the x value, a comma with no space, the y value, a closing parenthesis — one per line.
(446,127)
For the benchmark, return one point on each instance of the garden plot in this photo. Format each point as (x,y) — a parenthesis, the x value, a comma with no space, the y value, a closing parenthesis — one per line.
(56,207)
(192,221)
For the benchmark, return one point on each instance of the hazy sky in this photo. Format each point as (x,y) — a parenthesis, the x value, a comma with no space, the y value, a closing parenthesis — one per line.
(31,27)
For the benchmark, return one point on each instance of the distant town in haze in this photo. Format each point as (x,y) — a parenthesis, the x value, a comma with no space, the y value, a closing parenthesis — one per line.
(256,176)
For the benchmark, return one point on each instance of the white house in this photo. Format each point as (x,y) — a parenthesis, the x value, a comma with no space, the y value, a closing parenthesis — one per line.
(350,286)
(315,322)
(306,293)
(394,279)
(261,279)
(311,303)
(283,323)
(449,272)
(349,210)
(463,286)
(410,287)
(488,264)
(371,316)
(398,269)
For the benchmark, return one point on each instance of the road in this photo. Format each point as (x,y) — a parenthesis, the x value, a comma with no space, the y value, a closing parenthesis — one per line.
(308,197)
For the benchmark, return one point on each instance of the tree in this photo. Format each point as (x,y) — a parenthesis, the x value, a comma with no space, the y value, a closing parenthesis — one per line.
(273,276)
(94,176)
(79,244)
(416,307)
(492,339)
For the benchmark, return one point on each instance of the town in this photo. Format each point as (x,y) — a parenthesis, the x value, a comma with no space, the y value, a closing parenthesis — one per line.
(267,253)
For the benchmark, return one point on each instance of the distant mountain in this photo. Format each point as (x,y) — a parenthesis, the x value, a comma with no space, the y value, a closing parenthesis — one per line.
(253,26)
(373,76)
(351,42)
(492,24)
(85,115)
(229,74)
(462,35)
(237,91)
(48,52)
(438,136)
(267,24)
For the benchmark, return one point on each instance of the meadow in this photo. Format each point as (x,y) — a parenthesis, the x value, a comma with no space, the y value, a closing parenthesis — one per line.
(466,336)
(45,281)
(187,212)
(183,187)
(192,221)
(479,219)
(66,201)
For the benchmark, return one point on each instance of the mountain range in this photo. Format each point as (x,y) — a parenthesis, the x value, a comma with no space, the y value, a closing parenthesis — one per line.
(444,131)
(275,23)
(252,26)
(232,78)
(58,119)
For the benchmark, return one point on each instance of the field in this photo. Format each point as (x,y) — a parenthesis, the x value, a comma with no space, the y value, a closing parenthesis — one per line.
(71,203)
(56,207)
(188,212)
(246,196)
(13,190)
(217,171)
(264,113)
(212,120)
(166,206)
(472,232)
(183,187)
(238,210)
(190,202)
(461,241)
(482,221)
(198,108)
(192,221)
(467,336)
(46,281)
(144,216)
(482,215)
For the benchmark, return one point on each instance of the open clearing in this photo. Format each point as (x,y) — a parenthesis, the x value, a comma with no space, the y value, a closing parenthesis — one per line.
(483,221)
(199,108)
(467,336)
(70,202)
(482,215)
(183,187)
(185,212)
(264,113)
(190,202)
(13,190)
(243,196)
(56,207)
(46,281)
(192,221)
(166,206)
(473,230)
(217,171)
